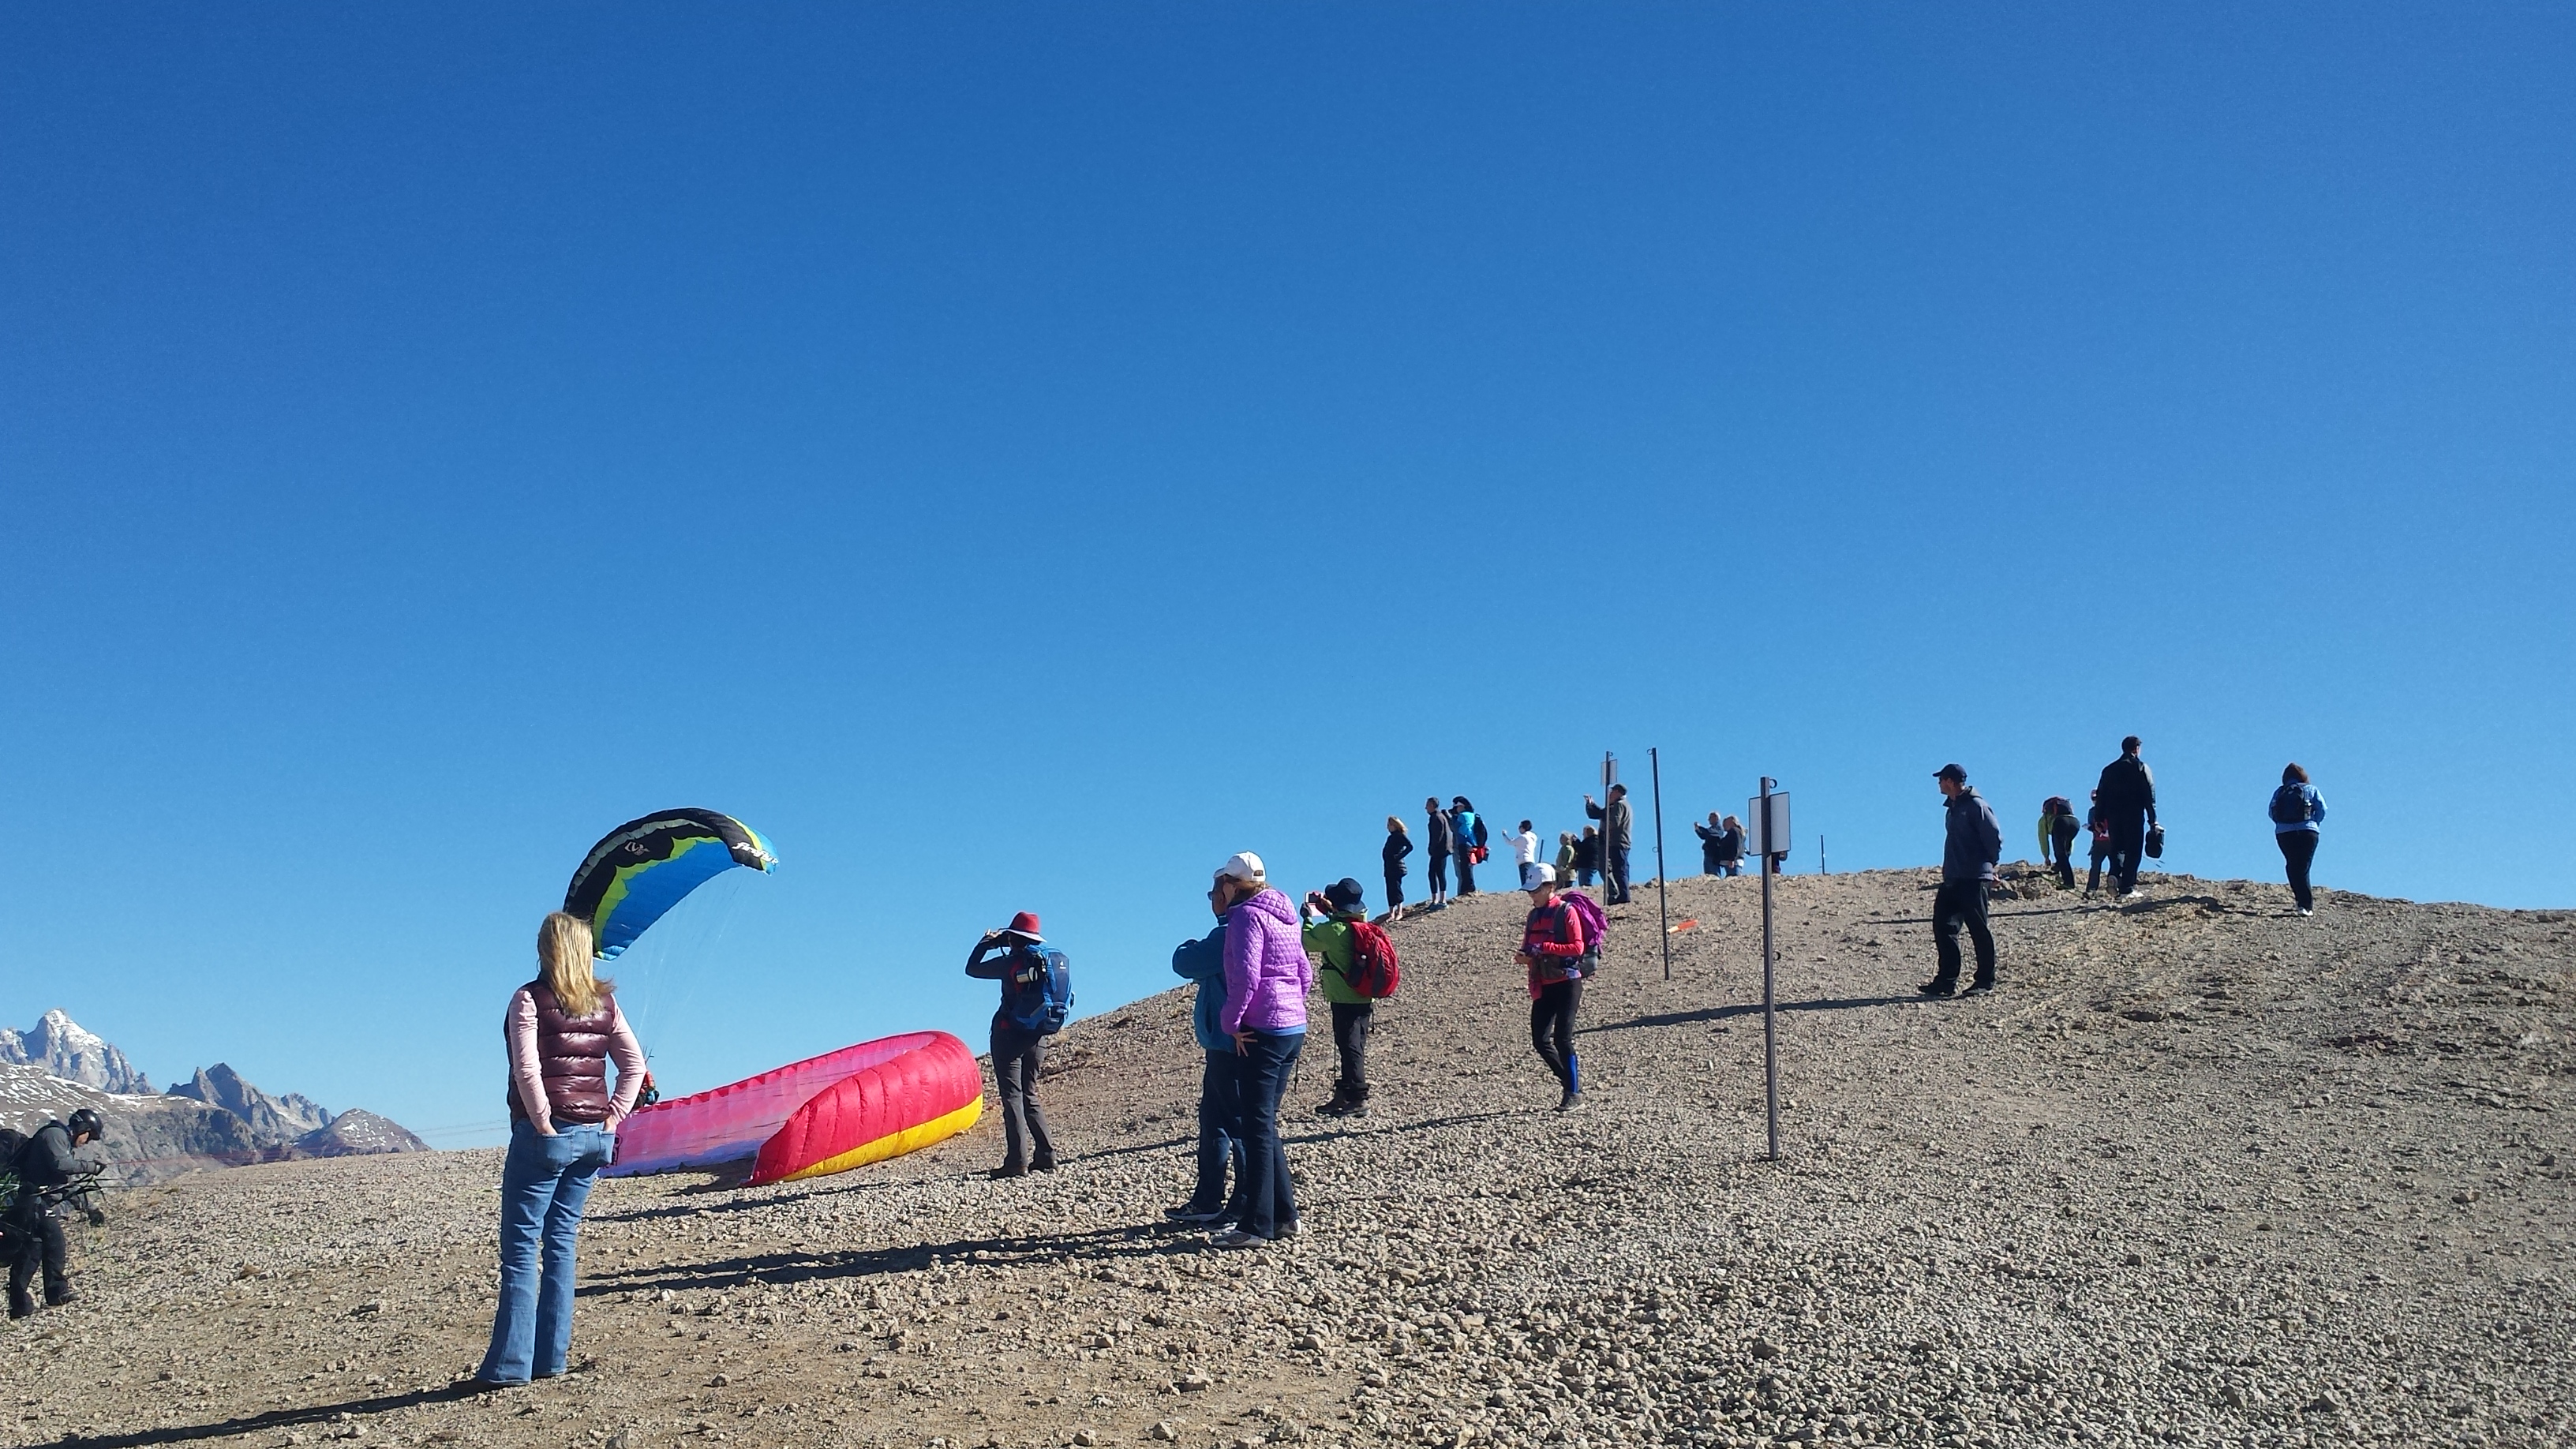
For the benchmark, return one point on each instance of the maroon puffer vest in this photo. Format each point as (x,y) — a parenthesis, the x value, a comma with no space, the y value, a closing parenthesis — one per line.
(572,1053)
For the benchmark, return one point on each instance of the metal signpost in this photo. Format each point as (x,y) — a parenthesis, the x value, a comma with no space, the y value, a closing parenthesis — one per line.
(1663,914)
(1771,822)
(1601,844)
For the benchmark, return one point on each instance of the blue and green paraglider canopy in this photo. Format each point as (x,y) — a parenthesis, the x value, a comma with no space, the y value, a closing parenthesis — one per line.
(645,866)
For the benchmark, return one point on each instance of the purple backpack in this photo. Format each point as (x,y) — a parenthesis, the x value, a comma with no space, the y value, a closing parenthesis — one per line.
(1596,926)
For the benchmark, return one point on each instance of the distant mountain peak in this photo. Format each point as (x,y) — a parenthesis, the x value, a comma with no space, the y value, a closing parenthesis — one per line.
(292,1115)
(64,1048)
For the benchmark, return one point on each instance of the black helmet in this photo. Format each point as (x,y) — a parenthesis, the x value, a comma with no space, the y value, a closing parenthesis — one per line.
(85,1123)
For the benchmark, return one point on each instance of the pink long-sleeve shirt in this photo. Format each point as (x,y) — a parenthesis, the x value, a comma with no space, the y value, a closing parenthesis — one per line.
(530,1080)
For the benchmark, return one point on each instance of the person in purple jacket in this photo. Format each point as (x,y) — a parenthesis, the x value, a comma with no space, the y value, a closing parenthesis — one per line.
(1267,978)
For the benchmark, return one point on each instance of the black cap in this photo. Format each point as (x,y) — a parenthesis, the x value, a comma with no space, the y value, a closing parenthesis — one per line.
(1344,894)
(1952,771)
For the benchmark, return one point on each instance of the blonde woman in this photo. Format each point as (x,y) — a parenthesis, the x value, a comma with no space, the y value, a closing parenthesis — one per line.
(1398,846)
(563,1029)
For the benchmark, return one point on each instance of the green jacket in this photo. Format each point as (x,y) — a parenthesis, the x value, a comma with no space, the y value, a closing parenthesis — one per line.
(1330,939)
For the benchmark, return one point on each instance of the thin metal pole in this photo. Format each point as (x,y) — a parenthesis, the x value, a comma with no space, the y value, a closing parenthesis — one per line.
(1820,856)
(1601,846)
(1663,912)
(1770,1026)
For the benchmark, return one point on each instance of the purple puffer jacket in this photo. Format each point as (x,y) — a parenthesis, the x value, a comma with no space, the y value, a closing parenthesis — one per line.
(1267,974)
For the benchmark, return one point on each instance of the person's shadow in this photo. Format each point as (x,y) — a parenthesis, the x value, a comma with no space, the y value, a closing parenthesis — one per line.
(274,1419)
(1749,1008)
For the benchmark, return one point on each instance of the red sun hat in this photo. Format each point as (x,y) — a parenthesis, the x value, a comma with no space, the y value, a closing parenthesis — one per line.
(1024,924)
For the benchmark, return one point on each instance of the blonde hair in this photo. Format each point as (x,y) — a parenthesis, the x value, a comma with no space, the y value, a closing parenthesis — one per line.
(1395,825)
(564,951)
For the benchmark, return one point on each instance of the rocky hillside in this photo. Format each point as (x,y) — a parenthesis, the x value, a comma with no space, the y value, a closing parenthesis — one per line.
(214,1119)
(2203,1173)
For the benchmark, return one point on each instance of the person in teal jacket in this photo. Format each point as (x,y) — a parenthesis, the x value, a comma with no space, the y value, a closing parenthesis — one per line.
(1220,1120)
(1328,915)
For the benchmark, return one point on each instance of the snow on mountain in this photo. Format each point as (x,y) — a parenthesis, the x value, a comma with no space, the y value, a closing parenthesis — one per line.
(62,1047)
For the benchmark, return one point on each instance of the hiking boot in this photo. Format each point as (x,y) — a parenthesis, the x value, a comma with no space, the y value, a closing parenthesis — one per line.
(1043,1162)
(1236,1238)
(1009,1169)
(1340,1104)
(1358,1104)
(1197,1217)
(56,1297)
(1939,986)
(1287,1230)
(1571,1100)
(1983,987)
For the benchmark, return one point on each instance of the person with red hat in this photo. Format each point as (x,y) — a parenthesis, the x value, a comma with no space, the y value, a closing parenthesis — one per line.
(1017,956)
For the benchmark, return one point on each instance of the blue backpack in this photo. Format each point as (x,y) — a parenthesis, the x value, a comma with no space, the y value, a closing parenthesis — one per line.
(1041,994)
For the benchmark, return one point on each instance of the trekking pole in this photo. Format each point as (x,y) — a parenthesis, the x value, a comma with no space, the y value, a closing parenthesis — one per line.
(1663,913)
(1770,1028)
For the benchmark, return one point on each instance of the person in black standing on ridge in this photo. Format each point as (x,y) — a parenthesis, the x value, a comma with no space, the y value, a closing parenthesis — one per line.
(1435,852)
(1587,855)
(1398,846)
(1011,956)
(2127,795)
(1721,845)
(1618,826)
(2298,812)
(46,1160)
(1971,844)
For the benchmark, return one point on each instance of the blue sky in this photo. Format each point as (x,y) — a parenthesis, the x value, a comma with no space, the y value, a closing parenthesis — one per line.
(1015,456)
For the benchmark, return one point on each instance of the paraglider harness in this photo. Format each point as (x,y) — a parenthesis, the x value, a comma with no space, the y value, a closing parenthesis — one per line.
(22,1202)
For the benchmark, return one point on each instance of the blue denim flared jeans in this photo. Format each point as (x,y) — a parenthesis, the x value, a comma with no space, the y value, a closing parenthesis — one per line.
(545,1182)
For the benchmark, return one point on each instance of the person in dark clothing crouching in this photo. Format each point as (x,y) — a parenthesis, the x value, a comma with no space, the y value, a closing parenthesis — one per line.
(1017,956)
(44,1165)
(1971,845)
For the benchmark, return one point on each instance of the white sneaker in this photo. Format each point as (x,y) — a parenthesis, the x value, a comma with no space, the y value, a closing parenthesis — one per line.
(2303,910)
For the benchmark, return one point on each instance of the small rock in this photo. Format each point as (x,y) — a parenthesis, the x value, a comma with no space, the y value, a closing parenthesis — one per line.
(1084,1439)
(1765,1348)
(1164,1429)
(2232,1396)
(618,1441)
(1193,1383)
(719,1381)
(2134,1260)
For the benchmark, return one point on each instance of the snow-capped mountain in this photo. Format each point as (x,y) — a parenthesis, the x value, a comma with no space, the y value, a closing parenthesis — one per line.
(214,1119)
(64,1049)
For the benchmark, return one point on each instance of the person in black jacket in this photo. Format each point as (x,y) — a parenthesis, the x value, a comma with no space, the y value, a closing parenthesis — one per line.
(1398,846)
(47,1160)
(1011,956)
(1436,846)
(2127,797)
(1971,843)
(1721,845)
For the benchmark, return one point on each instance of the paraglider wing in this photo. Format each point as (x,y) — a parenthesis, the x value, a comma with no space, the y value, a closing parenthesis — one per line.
(928,1092)
(643,867)
(860,1104)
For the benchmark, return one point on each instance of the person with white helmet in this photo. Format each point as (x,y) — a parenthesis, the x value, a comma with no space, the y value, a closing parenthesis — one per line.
(1267,978)
(1554,948)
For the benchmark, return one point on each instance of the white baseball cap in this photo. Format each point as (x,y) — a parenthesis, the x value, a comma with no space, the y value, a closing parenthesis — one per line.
(1534,875)
(1243,865)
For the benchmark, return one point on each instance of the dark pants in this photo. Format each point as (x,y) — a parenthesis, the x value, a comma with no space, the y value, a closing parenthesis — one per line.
(1351,1022)
(1263,1068)
(2299,848)
(37,1238)
(1615,879)
(1466,874)
(2128,846)
(1552,1030)
(1018,1054)
(1394,888)
(2064,838)
(1957,902)
(1220,1133)
(1438,867)
(2101,858)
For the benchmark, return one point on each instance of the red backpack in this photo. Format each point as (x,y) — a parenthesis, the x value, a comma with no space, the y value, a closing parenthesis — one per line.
(1373,972)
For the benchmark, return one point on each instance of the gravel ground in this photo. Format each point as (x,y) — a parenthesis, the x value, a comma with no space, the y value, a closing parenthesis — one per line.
(2203,1173)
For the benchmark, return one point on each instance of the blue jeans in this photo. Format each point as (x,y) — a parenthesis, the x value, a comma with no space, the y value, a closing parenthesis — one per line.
(1220,1135)
(1270,1200)
(545,1182)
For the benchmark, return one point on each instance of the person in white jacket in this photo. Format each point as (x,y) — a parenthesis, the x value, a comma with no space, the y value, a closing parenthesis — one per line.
(1525,849)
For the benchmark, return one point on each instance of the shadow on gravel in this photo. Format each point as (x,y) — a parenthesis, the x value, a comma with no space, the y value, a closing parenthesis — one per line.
(1750,1008)
(1140,1240)
(1427,1124)
(274,1419)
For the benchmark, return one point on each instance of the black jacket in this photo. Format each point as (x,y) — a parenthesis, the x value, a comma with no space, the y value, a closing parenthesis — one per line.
(1441,836)
(1719,845)
(47,1160)
(2127,789)
(1397,847)
(1971,841)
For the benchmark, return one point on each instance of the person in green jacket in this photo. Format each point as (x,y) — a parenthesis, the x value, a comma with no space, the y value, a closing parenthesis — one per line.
(2058,828)
(1328,915)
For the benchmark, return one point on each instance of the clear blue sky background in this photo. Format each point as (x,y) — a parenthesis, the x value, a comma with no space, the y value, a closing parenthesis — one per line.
(1015,456)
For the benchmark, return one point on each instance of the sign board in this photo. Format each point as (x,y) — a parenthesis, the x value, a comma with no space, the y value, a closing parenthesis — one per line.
(1764,833)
